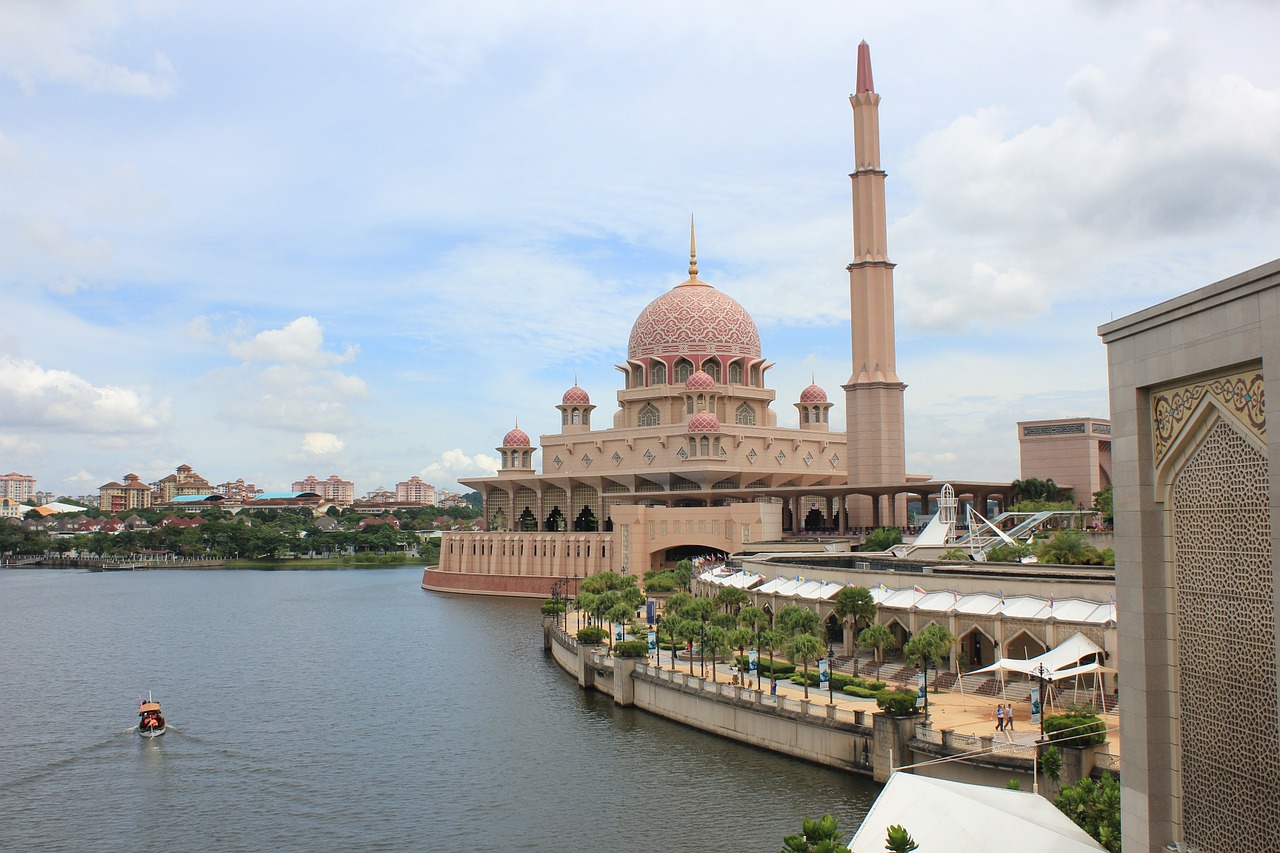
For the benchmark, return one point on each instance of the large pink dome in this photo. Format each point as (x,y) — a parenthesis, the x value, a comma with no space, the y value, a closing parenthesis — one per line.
(704,422)
(575,396)
(813,394)
(694,318)
(516,438)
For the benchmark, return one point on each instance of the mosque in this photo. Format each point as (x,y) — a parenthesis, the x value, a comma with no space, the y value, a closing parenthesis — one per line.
(694,461)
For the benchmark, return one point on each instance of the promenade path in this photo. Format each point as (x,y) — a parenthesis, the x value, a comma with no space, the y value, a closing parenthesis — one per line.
(951,710)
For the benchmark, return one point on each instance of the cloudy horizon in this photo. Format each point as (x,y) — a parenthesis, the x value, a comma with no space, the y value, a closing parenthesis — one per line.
(273,240)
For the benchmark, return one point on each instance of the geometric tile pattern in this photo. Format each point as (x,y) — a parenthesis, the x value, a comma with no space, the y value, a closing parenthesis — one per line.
(694,318)
(1224,624)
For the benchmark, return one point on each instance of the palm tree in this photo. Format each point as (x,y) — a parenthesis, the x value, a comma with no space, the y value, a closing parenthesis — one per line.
(677,603)
(731,599)
(618,613)
(855,602)
(672,626)
(756,620)
(1067,547)
(586,602)
(688,631)
(879,638)
(740,638)
(794,619)
(802,649)
(770,640)
(715,641)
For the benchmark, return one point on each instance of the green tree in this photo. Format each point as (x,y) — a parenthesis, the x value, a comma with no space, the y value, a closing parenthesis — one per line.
(1068,548)
(587,602)
(678,603)
(1103,505)
(714,641)
(1094,806)
(731,599)
(793,619)
(898,840)
(756,620)
(616,614)
(1006,553)
(817,836)
(689,630)
(672,626)
(929,648)
(855,604)
(803,649)
(882,539)
(770,641)
(740,638)
(879,638)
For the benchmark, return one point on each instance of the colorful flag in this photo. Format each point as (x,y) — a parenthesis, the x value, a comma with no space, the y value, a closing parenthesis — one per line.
(1002,598)
(1051,602)
(918,590)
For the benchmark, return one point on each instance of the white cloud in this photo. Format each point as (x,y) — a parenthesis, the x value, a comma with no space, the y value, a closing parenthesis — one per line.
(33,397)
(322,443)
(62,42)
(301,342)
(82,476)
(454,464)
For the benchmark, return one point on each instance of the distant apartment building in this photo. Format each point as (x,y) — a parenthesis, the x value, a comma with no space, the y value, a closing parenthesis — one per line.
(335,489)
(43,498)
(414,491)
(237,490)
(184,481)
(131,494)
(12,508)
(18,487)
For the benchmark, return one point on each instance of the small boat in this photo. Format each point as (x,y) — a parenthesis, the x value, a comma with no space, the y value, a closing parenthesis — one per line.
(150,720)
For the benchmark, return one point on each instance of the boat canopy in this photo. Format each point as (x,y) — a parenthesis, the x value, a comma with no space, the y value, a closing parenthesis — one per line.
(148,706)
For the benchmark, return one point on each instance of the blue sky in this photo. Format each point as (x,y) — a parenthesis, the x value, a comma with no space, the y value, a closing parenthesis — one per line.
(283,238)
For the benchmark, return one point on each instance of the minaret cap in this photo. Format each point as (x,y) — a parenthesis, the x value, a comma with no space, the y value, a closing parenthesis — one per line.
(865,83)
(693,251)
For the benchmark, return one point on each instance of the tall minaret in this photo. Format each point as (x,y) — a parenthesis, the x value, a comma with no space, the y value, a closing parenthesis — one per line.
(873,397)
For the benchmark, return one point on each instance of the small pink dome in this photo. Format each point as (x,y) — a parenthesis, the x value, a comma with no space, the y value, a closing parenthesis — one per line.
(813,394)
(704,422)
(700,381)
(516,438)
(575,396)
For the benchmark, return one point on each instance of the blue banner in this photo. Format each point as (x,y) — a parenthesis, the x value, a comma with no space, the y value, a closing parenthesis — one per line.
(653,641)
(751,661)
(650,610)
(824,671)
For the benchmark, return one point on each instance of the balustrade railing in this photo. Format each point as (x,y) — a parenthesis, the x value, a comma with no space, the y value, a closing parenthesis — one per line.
(1106,761)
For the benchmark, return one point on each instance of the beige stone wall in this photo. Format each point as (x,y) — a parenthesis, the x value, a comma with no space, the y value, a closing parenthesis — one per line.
(1197,519)
(1074,452)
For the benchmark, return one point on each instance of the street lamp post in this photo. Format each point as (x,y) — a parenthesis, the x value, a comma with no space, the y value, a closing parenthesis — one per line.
(831,676)
(657,638)
(702,651)
(1037,709)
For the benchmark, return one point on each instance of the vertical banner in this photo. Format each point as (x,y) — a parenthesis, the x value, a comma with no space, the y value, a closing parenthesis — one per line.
(650,608)
(919,689)
(752,660)
(619,632)
(653,641)
(824,672)
(1035,705)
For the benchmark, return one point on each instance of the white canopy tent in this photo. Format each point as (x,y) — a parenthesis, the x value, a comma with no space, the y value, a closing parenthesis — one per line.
(1053,664)
(962,818)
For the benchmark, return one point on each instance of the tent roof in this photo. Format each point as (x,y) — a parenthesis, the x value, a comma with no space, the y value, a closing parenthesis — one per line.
(962,818)
(1057,661)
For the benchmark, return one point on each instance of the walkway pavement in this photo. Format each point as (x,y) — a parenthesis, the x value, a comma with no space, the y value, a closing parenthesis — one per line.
(963,713)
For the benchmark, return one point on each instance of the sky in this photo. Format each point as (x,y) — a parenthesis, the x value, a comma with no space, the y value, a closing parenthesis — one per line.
(279,238)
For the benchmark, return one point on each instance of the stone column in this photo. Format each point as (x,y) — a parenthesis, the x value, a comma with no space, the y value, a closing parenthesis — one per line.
(892,738)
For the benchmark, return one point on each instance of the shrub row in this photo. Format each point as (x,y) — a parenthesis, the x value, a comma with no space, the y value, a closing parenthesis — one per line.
(591,635)
(780,668)
(1076,729)
(840,681)
(631,649)
(900,703)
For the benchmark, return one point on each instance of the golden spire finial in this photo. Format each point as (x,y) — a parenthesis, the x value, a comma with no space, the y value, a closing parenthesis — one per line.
(693,251)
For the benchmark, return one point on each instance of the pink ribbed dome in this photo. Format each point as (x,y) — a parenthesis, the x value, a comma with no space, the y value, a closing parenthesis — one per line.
(813,394)
(575,396)
(694,318)
(700,381)
(516,438)
(704,422)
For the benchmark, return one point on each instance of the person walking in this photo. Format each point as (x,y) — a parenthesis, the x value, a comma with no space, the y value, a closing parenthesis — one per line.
(1008,718)
(1000,718)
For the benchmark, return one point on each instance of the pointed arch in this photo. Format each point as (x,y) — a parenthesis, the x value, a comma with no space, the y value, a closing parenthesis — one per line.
(745,415)
(682,370)
(649,416)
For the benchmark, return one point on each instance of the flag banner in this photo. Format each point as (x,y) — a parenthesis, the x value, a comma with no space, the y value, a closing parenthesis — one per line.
(919,689)
(824,671)
(653,641)
(650,610)
(619,632)
(1035,705)
(752,661)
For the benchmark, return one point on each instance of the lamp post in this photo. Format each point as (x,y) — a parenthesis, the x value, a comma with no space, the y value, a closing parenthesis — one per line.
(1037,709)
(702,651)
(831,671)
(657,636)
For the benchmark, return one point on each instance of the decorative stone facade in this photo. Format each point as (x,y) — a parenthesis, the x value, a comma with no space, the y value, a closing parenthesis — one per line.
(1197,519)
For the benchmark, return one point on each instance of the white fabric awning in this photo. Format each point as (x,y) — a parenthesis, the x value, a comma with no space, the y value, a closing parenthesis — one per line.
(962,818)
(1051,664)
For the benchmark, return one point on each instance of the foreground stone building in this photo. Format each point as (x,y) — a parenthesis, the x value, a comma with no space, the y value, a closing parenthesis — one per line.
(1197,519)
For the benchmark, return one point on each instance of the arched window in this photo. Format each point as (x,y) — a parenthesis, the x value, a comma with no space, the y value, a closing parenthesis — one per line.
(825,416)
(577,417)
(688,405)
(586,417)
(693,447)
(524,458)
(715,448)
(804,416)
(649,416)
(504,460)
(712,368)
(637,377)
(755,375)
(564,418)
(735,374)
(683,370)
(746,415)
(658,373)
(706,446)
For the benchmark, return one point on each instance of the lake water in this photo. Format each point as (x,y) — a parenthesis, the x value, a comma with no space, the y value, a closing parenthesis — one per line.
(348,710)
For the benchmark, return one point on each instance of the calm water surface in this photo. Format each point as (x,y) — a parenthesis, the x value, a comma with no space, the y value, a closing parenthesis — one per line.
(347,710)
